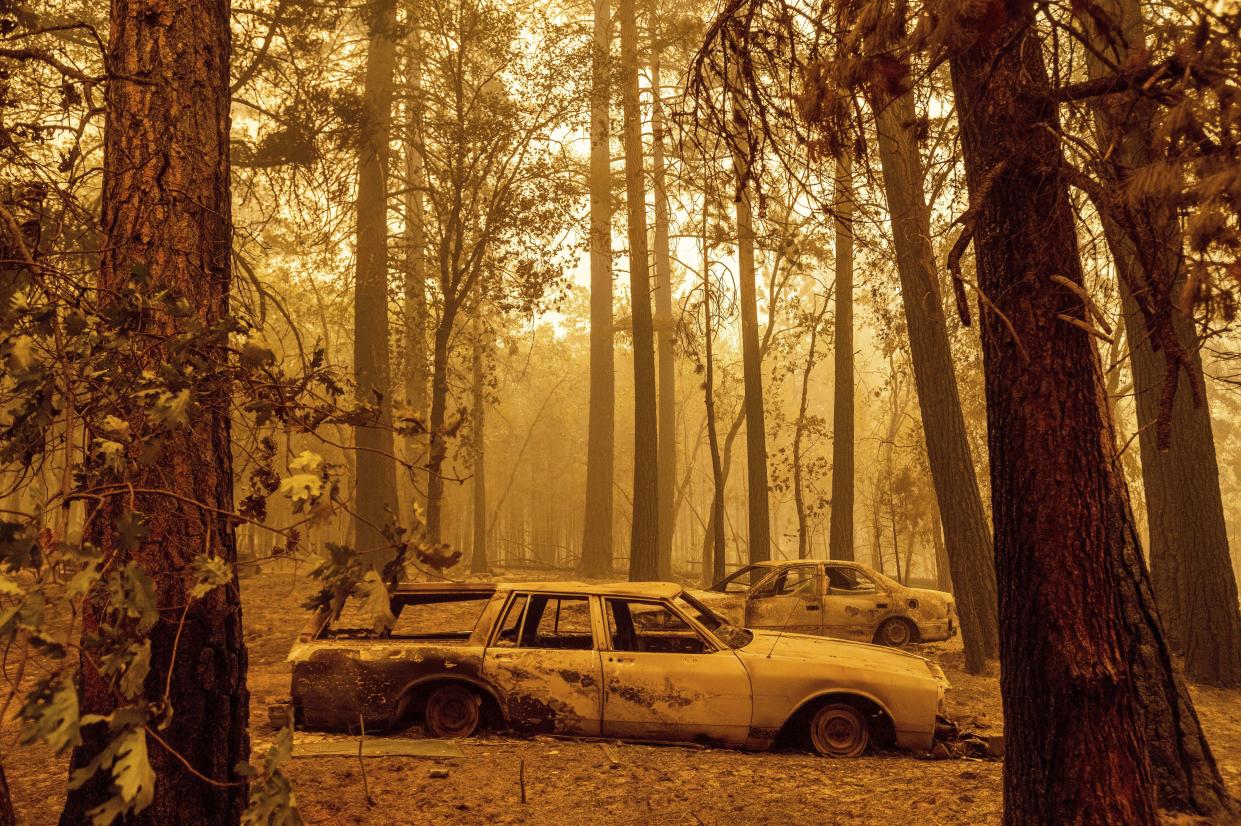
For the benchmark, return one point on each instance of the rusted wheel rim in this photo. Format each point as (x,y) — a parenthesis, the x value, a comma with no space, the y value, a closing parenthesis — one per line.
(895,633)
(839,731)
(452,711)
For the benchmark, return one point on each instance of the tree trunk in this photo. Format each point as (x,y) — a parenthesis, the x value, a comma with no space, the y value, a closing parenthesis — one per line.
(166,208)
(799,429)
(943,578)
(478,558)
(716,562)
(415,286)
(596,559)
(439,409)
(1190,566)
(966,534)
(644,535)
(375,482)
(7,815)
(1075,741)
(665,332)
(840,536)
(757,504)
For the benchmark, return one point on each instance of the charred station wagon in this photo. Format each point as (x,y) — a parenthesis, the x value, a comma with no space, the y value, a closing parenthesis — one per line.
(643,661)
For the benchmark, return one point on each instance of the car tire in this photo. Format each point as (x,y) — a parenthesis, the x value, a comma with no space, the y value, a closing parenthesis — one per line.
(453,711)
(839,730)
(894,633)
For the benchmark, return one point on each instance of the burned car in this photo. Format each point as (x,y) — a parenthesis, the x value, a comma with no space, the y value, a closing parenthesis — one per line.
(642,661)
(832,598)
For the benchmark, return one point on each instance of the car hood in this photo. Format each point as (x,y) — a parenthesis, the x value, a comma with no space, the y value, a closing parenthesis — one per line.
(804,647)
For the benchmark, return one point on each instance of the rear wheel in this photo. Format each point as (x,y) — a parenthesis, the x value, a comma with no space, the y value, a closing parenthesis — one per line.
(895,633)
(452,711)
(839,730)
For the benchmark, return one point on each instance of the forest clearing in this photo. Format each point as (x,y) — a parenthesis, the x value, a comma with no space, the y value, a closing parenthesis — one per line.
(705,411)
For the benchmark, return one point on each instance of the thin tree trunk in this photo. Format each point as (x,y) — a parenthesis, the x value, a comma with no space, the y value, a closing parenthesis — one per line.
(1190,565)
(644,534)
(438,437)
(799,429)
(375,482)
(7,816)
(415,285)
(1076,747)
(715,561)
(166,208)
(596,559)
(757,505)
(665,331)
(840,536)
(478,558)
(966,534)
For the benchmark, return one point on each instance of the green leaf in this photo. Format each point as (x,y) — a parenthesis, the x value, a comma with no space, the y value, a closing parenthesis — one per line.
(172,409)
(303,489)
(133,779)
(209,572)
(255,356)
(51,714)
(137,670)
(9,587)
(117,427)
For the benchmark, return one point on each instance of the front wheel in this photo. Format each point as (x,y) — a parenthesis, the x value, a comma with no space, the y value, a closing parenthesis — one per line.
(895,633)
(839,730)
(452,712)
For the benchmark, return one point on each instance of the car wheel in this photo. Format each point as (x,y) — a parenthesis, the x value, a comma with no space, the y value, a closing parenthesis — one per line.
(452,711)
(839,730)
(895,633)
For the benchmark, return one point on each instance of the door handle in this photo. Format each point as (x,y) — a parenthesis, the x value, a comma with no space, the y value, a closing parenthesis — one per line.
(620,659)
(812,607)
(502,656)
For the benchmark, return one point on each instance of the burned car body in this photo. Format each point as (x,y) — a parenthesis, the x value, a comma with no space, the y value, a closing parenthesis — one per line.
(832,598)
(638,661)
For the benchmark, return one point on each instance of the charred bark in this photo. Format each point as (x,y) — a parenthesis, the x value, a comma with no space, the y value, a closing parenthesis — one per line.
(966,534)
(596,559)
(375,480)
(166,211)
(1075,742)
(644,536)
(7,815)
(840,535)
(478,413)
(415,264)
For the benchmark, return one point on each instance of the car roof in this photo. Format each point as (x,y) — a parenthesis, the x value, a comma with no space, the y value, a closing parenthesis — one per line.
(648,590)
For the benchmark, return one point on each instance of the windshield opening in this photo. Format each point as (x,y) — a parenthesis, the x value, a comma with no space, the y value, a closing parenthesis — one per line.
(730,635)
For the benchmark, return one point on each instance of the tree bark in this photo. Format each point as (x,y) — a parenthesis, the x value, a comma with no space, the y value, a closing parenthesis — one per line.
(716,562)
(166,208)
(375,482)
(840,536)
(415,269)
(7,815)
(799,429)
(1076,748)
(757,505)
(966,533)
(478,557)
(596,559)
(1190,565)
(665,330)
(644,535)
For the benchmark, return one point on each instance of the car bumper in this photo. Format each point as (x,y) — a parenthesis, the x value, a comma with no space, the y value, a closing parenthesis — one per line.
(937,631)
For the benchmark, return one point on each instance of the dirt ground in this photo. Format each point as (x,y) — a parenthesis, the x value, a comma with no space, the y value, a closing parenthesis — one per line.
(568,781)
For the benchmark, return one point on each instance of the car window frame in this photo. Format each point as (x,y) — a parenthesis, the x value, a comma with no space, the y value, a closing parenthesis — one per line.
(592,603)
(880,588)
(713,643)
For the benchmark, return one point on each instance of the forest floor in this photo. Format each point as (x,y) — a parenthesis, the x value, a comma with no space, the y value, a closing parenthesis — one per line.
(584,782)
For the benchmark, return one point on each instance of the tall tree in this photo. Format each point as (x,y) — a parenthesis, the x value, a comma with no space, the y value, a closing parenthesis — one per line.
(415,260)
(665,322)
(375,479)
(478,414)
(757,503)
(644,536)
(840,529)
(596,559)
(1086,667)
(714,550)
(967,536)
(166,213)
(1190,565)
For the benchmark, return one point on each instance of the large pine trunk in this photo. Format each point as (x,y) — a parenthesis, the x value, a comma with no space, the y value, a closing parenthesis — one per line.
(596,559)
(1190,566)
(665,329)
(644,536)
(375,480)
(966,533)
(166,208)
(1075,742)
(415,264)
(840,528)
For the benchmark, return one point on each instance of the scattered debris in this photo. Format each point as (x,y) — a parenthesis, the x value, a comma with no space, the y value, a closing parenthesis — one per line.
(438,774)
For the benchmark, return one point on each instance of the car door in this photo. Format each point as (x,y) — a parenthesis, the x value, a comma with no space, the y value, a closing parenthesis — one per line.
(544,659)
(853,603)
(791,599)
(664,679)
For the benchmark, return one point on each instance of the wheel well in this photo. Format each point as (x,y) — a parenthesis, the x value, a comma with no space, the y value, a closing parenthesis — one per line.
(796,729)
(914,634)
(412,706)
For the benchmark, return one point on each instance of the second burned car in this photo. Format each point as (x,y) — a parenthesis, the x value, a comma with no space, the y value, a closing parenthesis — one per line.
(642,661)
(832,598)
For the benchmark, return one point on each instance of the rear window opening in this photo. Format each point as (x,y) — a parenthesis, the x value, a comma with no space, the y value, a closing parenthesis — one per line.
(427,617)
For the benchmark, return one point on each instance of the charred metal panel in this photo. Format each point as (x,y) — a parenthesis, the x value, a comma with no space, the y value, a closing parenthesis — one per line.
(665,696)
